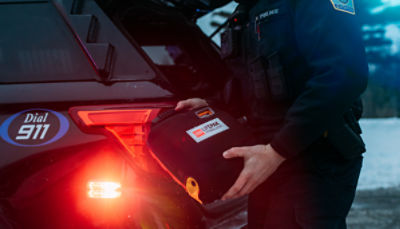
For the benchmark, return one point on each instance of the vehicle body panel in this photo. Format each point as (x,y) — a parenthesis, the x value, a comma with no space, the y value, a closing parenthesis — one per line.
(57,57)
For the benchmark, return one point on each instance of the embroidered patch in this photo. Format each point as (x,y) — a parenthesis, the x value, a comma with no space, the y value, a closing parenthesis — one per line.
(344,6)
(267,14)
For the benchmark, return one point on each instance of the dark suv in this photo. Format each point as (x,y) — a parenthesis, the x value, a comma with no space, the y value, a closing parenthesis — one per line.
(80,82)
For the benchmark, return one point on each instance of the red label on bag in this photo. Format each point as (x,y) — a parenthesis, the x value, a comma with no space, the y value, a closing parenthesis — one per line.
(198,133)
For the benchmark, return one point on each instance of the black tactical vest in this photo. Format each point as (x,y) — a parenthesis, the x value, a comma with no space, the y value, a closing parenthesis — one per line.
(272,72)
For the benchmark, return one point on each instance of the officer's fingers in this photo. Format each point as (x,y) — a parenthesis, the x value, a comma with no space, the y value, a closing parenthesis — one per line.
(182,105)
(197,103)
(237,187)
(250,185)
(234,152)
(190,104)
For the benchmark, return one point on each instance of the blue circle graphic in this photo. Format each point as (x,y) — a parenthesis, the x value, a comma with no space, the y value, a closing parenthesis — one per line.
(64,126)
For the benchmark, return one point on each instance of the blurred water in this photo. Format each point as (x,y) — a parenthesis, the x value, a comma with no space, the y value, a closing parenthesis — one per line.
(382,160)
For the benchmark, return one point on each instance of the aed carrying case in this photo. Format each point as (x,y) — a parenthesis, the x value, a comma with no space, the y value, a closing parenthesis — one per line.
(190,144)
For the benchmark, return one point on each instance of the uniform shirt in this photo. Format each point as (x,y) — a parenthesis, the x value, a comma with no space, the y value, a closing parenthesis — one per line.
(314,60)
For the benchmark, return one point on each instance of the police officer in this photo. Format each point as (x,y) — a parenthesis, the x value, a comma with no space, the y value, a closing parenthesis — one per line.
(303,71)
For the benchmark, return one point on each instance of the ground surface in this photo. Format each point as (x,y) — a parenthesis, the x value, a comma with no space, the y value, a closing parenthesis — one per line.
(377,204)
(372,209)
(376,209)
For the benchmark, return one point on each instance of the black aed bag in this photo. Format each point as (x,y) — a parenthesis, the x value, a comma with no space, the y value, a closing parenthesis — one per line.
(190,145)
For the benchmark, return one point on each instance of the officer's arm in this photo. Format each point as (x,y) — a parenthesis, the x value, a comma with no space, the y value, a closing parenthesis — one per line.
(331,44)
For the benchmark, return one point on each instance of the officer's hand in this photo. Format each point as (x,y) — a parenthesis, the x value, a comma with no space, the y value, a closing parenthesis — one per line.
(190,104)
(260,161)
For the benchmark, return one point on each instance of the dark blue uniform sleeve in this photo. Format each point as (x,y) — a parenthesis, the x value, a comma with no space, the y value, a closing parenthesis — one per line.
(331,43)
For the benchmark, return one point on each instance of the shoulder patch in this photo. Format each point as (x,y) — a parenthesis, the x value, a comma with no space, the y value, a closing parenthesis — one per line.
(346,6)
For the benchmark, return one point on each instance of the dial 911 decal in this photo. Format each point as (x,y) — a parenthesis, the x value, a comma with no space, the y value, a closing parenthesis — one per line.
(34,127)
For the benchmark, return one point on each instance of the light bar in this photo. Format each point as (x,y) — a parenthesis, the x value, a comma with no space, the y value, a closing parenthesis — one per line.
(104,190)
(114,117)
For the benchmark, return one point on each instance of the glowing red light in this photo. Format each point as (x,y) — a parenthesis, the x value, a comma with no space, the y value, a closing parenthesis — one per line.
(104,190)
(130,126)
(114,117)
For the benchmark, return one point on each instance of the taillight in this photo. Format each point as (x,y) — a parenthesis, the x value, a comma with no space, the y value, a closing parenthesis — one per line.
(129,124)
(104,189)
(117,178)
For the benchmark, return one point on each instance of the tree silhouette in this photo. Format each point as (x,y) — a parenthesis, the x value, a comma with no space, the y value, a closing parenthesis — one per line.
(382,97)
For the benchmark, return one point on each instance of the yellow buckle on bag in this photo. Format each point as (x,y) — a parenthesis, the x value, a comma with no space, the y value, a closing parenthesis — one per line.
(193,189)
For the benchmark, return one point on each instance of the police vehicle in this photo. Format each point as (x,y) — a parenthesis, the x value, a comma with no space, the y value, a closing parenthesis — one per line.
(80,83)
